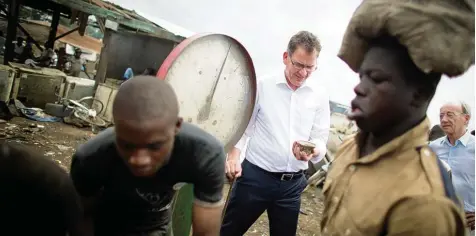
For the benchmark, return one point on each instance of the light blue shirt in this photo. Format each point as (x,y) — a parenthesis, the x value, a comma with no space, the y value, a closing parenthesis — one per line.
(128,74)
(460,158)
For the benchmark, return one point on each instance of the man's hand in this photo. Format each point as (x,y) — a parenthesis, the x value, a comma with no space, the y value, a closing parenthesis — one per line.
(233,164)
(302,156)
(470,220)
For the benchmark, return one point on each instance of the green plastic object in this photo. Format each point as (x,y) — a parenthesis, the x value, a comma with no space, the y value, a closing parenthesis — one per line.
(181,224)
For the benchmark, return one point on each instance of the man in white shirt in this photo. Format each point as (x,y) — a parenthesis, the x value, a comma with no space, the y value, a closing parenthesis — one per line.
(19,46)
(271,178)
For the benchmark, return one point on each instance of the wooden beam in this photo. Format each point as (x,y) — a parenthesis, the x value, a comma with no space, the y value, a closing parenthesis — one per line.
(83,23)
(117,17)
(69,32)
(53,29)
(29,36)
(46,6)
(101,25)
(22,29)
(103,60)
(13,10)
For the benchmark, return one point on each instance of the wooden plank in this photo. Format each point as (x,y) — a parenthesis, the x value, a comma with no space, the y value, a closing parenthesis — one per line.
(13,10)
(117,17)
(100,22)
(103,59)
(53,29)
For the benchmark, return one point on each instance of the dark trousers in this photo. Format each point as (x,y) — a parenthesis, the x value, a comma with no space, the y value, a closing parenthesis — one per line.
(259,190)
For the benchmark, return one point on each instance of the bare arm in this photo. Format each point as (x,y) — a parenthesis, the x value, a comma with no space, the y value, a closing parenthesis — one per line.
(206,219)
(208,192)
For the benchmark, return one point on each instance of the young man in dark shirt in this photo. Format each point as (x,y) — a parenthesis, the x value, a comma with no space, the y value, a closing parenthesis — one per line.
(126,174)
(37,197)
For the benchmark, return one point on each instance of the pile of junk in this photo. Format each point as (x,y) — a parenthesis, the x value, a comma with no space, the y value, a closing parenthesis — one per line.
(49,95)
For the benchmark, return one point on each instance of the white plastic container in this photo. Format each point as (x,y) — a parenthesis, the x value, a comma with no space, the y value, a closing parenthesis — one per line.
(76,88)
(106,94)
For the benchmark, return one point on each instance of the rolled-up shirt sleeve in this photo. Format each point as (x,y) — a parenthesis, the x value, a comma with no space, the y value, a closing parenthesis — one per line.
(320,128)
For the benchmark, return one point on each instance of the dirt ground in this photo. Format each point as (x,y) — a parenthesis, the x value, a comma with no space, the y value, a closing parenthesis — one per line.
(58,141)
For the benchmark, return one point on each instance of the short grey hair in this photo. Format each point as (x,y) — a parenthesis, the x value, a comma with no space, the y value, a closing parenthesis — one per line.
(465,108)
(305,39)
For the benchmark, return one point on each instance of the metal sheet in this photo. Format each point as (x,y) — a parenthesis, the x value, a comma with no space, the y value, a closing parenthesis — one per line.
(215,82)
(40,70)
(106,95)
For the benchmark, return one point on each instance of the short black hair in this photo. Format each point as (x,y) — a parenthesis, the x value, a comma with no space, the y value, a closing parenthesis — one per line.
(143,98)
(426,82)
(436,132)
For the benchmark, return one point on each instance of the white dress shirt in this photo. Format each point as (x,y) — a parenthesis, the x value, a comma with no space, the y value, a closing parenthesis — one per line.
(282,116)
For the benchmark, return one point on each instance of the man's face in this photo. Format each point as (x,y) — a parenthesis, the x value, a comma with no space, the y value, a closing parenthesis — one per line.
(299,65)
(452,119)
(146,147)
(383,98)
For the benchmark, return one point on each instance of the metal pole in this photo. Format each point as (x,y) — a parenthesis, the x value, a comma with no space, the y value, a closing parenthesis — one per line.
(232,182)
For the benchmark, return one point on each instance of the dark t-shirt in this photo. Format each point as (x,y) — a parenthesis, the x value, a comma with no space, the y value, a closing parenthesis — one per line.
(37,197)
(133,204)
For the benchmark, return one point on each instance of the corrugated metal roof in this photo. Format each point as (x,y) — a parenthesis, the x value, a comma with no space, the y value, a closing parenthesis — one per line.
(39,30)
(120,15)
(84,42)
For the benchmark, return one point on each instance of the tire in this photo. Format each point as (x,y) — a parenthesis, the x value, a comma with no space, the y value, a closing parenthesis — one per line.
(97,121)
(92,103)
(58,110)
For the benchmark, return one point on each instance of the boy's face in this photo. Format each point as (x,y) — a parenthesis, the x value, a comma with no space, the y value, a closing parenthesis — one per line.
(145,147)
(383,98)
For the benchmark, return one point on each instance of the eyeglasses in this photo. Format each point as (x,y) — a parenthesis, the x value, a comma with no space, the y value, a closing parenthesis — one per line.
(300,66)
(450,115)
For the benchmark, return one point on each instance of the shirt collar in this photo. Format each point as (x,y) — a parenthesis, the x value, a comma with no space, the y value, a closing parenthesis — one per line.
(282,80)
(413,138)
(463,140)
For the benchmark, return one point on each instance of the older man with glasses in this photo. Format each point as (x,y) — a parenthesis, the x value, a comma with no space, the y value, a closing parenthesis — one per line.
(288,109)
(457,149)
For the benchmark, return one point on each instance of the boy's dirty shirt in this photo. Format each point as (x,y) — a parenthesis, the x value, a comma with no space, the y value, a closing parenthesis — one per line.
(396,190)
